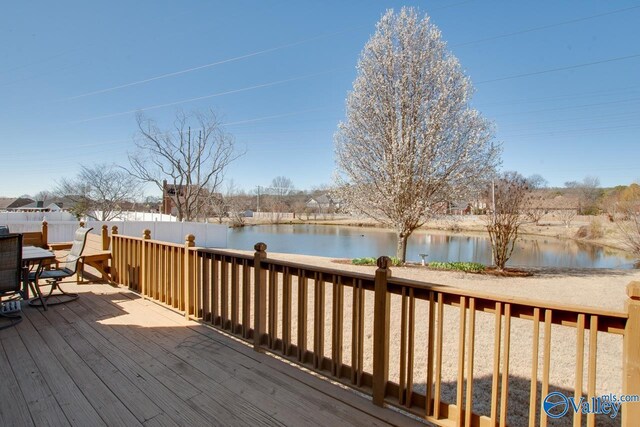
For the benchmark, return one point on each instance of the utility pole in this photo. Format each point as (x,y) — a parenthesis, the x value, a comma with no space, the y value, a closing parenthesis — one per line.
(258,205)
(493,203)
(493,199)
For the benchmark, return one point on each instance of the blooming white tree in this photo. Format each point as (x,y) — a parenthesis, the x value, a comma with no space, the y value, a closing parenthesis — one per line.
(410,141)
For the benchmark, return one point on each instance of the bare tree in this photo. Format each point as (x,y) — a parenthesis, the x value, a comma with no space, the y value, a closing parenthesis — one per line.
(566,216)
(281,186)
(534,213)
(410,141)
(503,224)
(537,181)
(99,192)
(43,196)
(192,158)
(589,192)
(628,220)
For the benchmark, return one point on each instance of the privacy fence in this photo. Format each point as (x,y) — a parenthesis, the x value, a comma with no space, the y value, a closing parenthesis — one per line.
(447,355)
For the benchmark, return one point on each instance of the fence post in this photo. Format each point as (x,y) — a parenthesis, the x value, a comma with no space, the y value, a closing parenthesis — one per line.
(381,308)
(105,237)
(260,295)
(115,256)
(631,356)
(144,263)
(189,242)
(45,233)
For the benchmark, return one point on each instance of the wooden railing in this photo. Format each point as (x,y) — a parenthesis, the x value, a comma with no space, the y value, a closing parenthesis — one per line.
(369,332)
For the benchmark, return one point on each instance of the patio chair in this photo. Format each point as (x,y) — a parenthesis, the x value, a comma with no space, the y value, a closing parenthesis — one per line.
(66,267)
(10,279)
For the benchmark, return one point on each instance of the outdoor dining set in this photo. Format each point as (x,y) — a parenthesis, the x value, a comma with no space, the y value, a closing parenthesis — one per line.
(24,270)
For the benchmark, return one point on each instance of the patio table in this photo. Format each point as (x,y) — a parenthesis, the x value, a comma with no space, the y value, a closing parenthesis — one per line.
(33,257)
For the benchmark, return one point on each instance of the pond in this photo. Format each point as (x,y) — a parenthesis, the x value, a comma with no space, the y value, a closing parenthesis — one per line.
(356,242)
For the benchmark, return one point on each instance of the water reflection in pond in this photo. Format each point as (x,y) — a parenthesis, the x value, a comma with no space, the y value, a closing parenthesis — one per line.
(353,242)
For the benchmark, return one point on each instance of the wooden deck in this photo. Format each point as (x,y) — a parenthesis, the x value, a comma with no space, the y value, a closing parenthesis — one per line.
(113,358)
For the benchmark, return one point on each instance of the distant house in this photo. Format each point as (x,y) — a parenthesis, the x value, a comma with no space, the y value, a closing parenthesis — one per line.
(173,193)
(323,203)
(12,203)
(550,202)
(54,205)
(459,208)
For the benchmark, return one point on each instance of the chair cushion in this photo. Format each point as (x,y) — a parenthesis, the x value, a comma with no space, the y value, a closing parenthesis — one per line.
(53,274)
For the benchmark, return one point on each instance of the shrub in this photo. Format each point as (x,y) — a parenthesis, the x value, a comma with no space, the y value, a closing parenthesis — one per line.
(467,267)
(592,231)
(395,261)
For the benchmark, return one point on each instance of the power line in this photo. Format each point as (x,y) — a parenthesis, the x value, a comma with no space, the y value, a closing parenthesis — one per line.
(552,70)
(544,27)
(566,96)
(595,104)
(212,64)
(229,92)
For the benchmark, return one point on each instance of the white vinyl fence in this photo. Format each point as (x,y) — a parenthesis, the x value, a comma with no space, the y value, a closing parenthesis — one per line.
(207,235)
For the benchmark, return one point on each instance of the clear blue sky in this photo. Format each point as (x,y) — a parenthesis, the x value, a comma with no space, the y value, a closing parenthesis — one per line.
(54,56)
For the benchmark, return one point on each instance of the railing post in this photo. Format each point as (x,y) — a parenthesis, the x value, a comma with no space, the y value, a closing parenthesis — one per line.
(105,237)
(189,242)
(115,256)
(144,263)
(260,295)
(631,356)
(381,309)
(45,233)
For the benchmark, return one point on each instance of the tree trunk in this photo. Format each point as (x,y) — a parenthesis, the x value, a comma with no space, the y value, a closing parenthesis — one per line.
(401,249)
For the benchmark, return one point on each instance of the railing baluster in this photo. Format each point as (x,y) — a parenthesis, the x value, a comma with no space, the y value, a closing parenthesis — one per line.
(470,359)
(504,392)
(246,298)
(215,290)
(496,364)
(438,379)
(548,316)
(235,295)
(224,292)
(410,347)
(361,302)
(273,306)
(302,314)
(355,330)
(336,328)
(461,345)
(206,289)
(318,322)
(430,352)
(577,393)
(593,353)
(286,311)
(403,348)
(533,395)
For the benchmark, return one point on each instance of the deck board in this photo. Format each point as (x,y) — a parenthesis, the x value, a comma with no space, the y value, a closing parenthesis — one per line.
(114,358)
(72,401)
(96,392)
